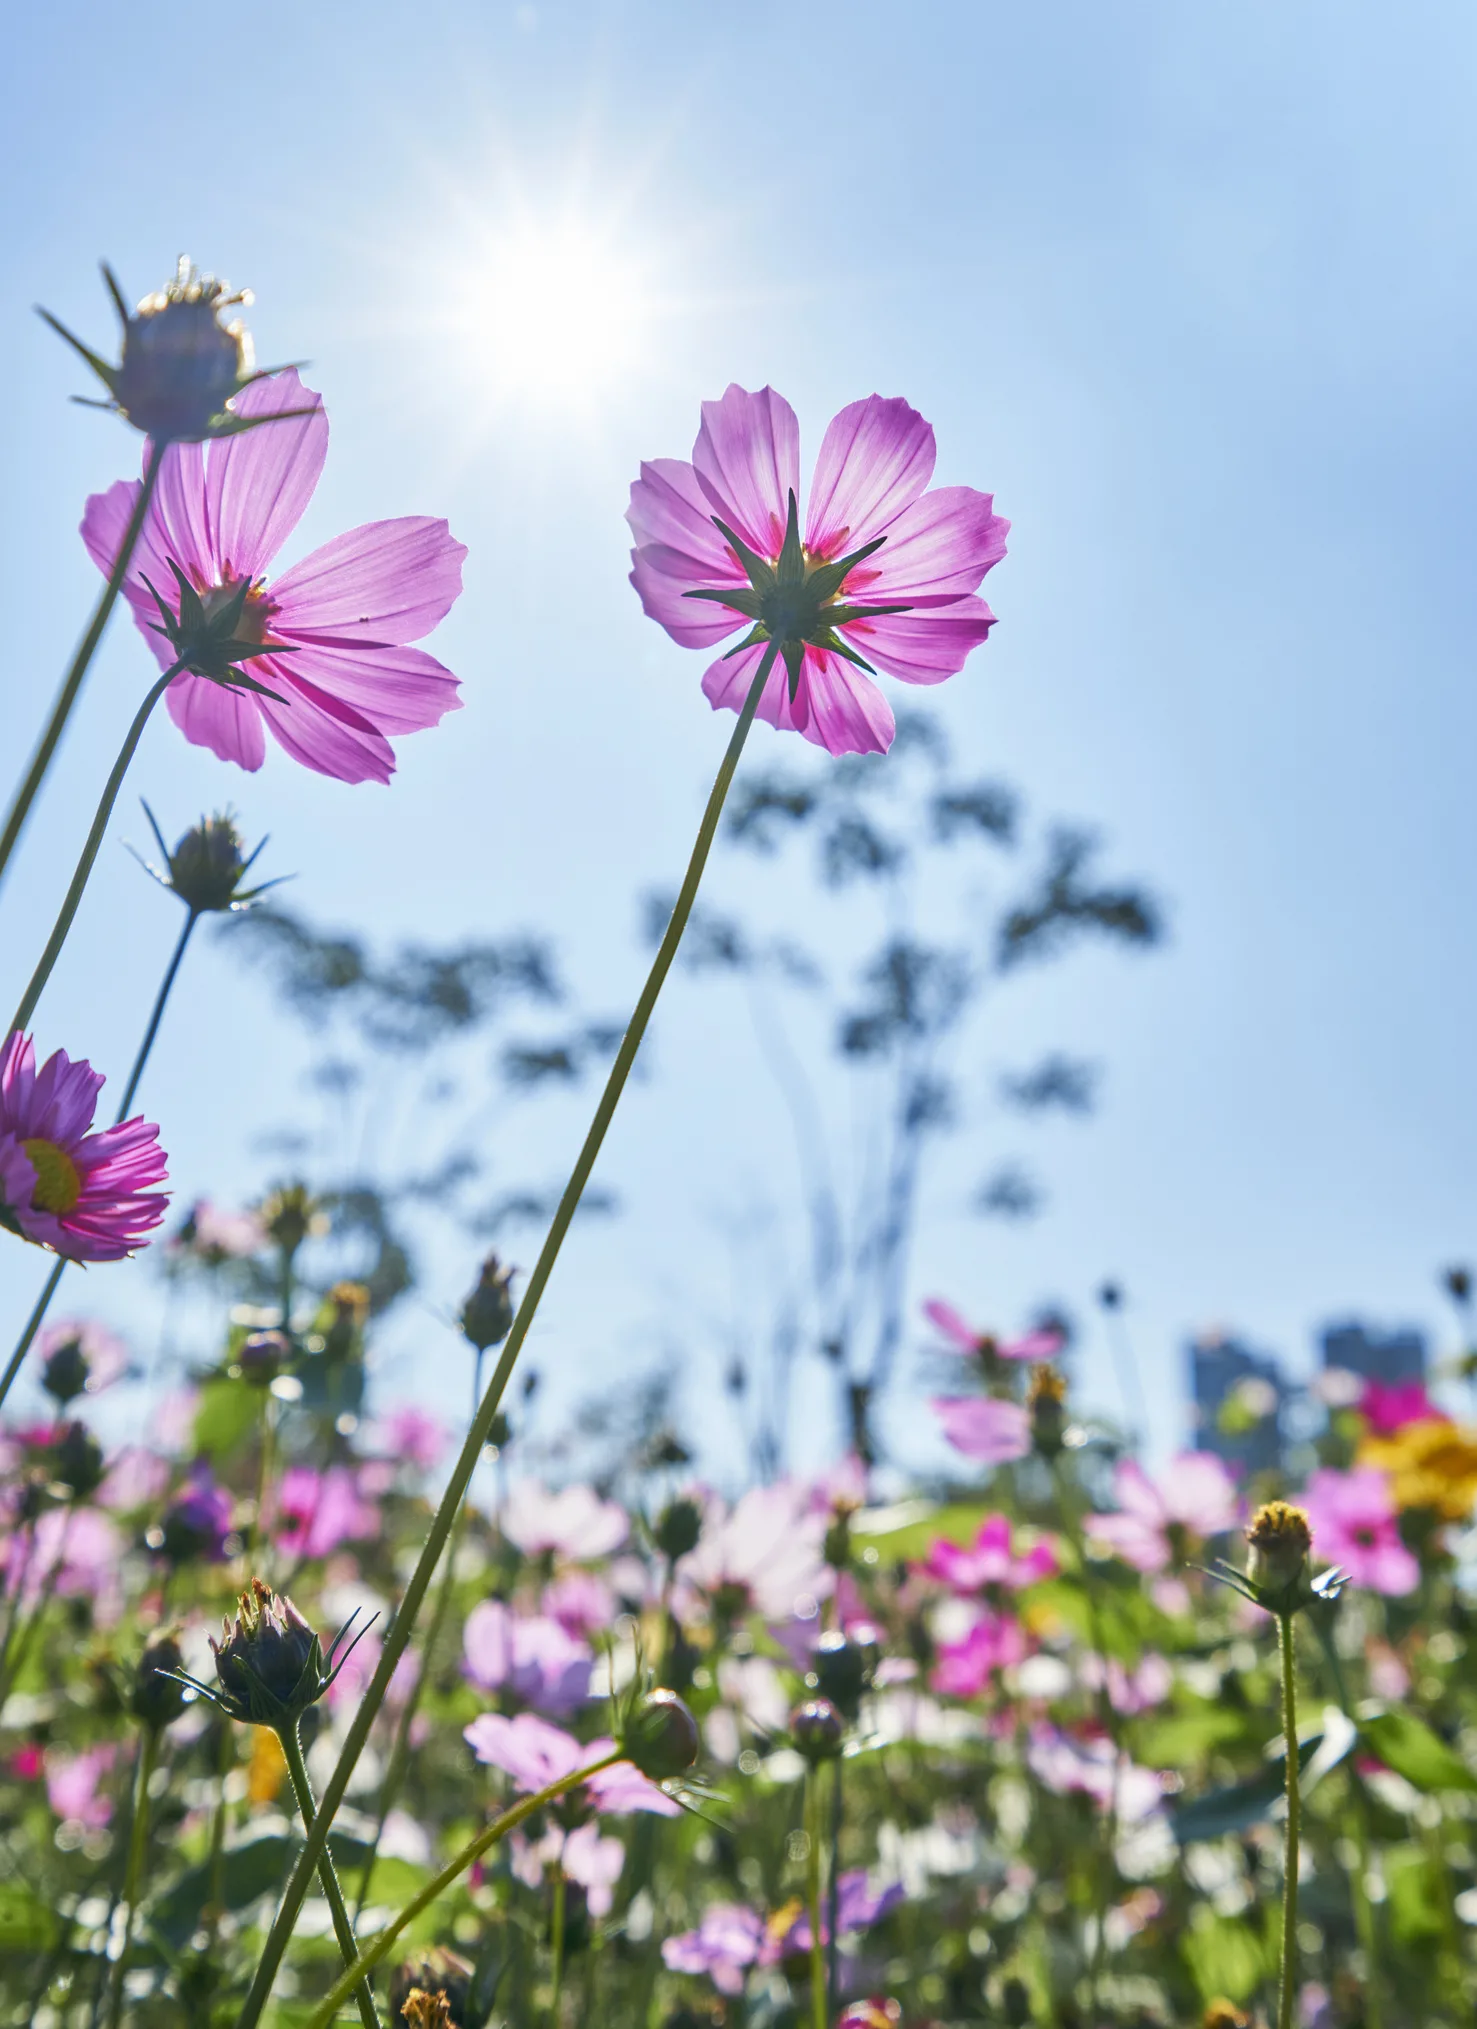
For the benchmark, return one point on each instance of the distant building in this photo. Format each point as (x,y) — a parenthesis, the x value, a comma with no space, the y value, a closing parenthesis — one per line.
(1376,1355)
(1238,1396)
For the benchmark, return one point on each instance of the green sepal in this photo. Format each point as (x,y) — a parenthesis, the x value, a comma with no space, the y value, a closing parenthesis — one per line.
(829,578)
(742,599)
(794,655)
(105,373)
(761,573)
(752,639)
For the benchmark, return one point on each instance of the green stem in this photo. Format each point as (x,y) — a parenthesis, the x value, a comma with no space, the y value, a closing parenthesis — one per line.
(400,1751)
(343,1930)
(1287,1992)
(66,697)
(556,1944)
(141,1058)
(138,1839)
(398,1636)
(22,1016)
(818,2016)
(371,1953)
(260,1543)
(833,1944)
(1107,1719)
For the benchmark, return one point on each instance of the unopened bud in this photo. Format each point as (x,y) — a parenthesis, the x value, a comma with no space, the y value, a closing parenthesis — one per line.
(435,1971)
(158,1697)
(269,1662)
(76,1459)
(423,2010)
(289,1215)
(842,1666)
(678,1527)
(348,1313)
(1280,1539)
(208,865)
(262,1357)
(487,1314)
(1047,1402)
(660,1736)
(817,1729)
(64,1373)
(1458,1283)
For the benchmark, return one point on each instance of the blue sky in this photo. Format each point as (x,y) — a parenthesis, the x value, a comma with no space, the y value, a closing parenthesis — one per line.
(1189,289)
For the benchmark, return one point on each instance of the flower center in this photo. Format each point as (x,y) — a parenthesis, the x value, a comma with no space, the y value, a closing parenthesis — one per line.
(254,622)
(58,1183)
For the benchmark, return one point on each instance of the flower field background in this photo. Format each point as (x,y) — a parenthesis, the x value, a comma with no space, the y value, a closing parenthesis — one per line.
(551,1474)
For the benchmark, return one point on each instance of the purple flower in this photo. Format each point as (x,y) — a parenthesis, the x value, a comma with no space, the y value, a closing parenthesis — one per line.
(581,1602)
(1067,1765)
(964,1338)
(573,1523)
(89,1197)
(1194,1497)
(985,1428)
(196,1523)
(907,599)
(1353,1517)
(993,1560)
(317,1511)
(724,1945)
(858,1907)
(1388,1407)
(535,1658)
(347,612)
(535,1754)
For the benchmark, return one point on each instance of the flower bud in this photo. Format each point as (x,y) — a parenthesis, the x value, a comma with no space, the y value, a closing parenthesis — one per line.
(433,1972)
(876,2012)
(678,1527)
(1458,1284)
(1047,1402)
(424,2010)
(817,1729)
(208,865)
(269,1662)
(262,1357)
(487,1314)
(76,1458)
(348,1313)
(842,1666)
(1279,1539)
(64,1373)
(196,1524)
(289,1215)
(660,1736)
(158,1697)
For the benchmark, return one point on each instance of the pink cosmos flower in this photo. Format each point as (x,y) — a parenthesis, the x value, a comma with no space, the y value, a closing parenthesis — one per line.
(723,1947)
(74,1786)
(886,571)
(992,1560)
(985,1428)
(531,1656)
(585,1856)
(1388,1407)
(1067,1764)
(581,1602)
(534,1754)
(71,1552)
(136,1478)
(1353,1516)
(317,1511)
(88,1197)
(573,1523)
(1129,1691)
(963,1669)
(858,1906)
(104,1354)
(220,514)
(1194,1498)
(217,1235)
(413,1436)
(964,1338)
(765,1555)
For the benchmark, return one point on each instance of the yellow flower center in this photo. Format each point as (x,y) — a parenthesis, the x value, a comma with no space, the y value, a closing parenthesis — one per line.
(58,1184)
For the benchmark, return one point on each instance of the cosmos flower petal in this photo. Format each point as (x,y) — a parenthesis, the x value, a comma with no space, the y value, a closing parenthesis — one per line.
(322,732)
(982,1427)
(923,646)
(386,582)
(105,521)
(227,722)
(747,460)
(181,513)
(835,706)
(394,690)
(663,577)
(939,548)
(952,1323)
(258,484)
(875,459)
(669,509)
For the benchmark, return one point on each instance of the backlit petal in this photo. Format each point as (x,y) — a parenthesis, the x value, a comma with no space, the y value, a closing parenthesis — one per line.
(258,484)
(875,459)
(227,722)
(747,459)
(389,581)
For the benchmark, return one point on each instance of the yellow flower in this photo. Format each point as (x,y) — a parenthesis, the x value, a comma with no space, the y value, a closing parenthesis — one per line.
(268,1769)
(1431,1463)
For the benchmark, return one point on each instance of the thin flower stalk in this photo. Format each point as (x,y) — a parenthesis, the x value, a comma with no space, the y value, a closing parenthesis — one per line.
(556,1947)
(374,1950)
(1287,1993)
(819,2016)
(66,697)
(398,1637)
(138,1840)
(22,1017)
(32,1325)
(343,1929)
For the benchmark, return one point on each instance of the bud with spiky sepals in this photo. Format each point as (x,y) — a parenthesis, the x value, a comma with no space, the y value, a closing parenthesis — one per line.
(1279,1539)
(181,366)
(818,1730)
(487,1315)
(208,865)
(678,1527)
(75,1457)
(424,2010)
(158,1697)
(659,1734)
(270,1665)
(843,1663)
(290,1214)
(436,1971)
(1047,1401)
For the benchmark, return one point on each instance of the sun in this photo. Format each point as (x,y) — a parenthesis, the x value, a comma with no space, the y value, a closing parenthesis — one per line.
(553,311)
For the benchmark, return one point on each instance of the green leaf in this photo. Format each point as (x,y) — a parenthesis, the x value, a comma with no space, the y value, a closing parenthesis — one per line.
(1408,1745)
(226,1416)
(1225,1955)
(1181,1738)
(1241,1804)
(26,1923)
(1412,1893)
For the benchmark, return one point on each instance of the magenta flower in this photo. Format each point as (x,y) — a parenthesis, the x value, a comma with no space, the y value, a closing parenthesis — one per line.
(534,1754)
(346,613)
(1353,1517)
(984,1428)
(532,1657)
(964,1338)
(1157,1524)
(89,1197)
(74,1786)
(1388,1406)
(963,1669)
(991,1561)
(886,570)
(725,1944)
(318,1511)
(71,1553)
(1085,1767)
(413,1436)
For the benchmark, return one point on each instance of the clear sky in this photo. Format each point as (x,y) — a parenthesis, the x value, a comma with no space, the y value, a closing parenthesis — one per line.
(1191,289)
